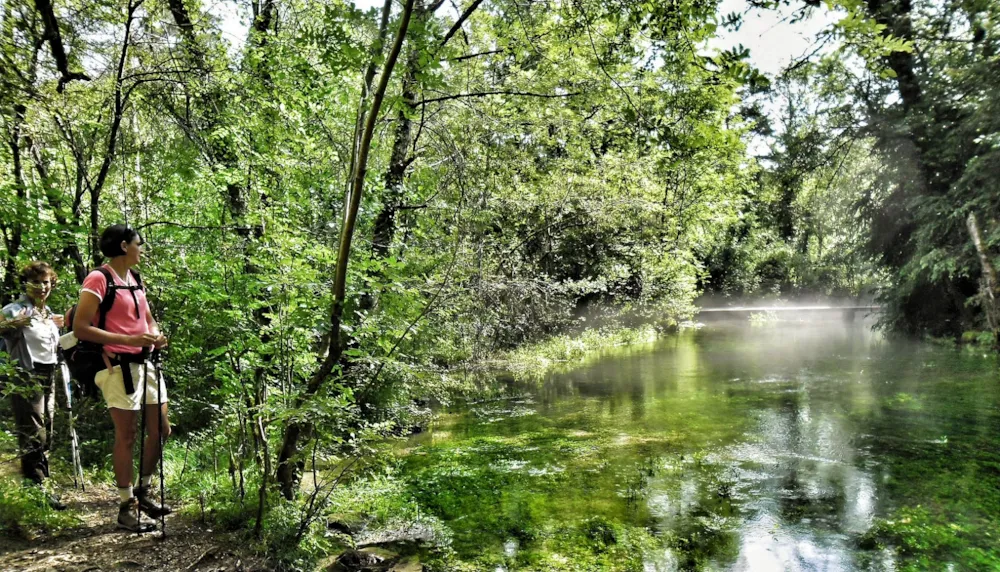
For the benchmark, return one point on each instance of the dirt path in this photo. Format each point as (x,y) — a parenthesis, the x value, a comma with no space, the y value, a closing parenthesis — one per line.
(97,545)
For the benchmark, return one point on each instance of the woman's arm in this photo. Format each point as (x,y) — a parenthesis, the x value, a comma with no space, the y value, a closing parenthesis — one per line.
(86,309)
(8,324)
(154,328)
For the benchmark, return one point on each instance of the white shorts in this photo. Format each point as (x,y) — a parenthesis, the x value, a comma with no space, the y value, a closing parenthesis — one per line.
(113,387)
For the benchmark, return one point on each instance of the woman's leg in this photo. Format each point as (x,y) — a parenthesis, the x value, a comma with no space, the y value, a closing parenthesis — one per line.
(125,433)
(157,431)
(151,448)
(28,403)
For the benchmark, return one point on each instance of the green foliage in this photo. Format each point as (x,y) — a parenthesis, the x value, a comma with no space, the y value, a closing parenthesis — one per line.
(904,401)
(924,539)
(25,512)
(799,231)
(550,168)
(285,541)
(979,339)
(933,143)
(567,351)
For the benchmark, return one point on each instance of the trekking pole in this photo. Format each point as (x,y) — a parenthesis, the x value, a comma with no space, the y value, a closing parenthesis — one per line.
(160,384)
(142,439)
(74,442)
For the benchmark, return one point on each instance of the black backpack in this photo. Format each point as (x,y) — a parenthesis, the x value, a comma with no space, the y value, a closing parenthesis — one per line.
(85,359)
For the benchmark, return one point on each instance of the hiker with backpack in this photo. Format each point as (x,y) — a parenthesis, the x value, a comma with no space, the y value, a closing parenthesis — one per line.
(113,312)
(30,335)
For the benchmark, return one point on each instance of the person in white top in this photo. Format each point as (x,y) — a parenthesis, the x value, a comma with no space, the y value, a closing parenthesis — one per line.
(30,333)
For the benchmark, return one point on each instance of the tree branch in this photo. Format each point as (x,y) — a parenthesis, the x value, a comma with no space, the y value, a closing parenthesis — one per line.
(458,23)
(475,55)
(52,35)
(486,93)
(191,226)
(109,153)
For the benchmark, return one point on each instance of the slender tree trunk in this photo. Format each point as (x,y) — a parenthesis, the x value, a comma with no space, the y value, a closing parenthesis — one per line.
(366,91)
(401,158)
(70,252)
(991,285)
(120,101)
(288,464)
(13,230)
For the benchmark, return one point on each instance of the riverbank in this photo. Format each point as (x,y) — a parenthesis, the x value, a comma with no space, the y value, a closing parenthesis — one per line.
(564,352)
(872,451)
(217,504)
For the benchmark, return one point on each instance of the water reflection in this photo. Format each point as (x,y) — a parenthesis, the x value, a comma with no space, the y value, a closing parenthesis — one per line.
(743,448)
(804,492)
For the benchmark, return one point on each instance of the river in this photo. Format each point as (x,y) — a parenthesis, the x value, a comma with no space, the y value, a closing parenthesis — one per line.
(789,446)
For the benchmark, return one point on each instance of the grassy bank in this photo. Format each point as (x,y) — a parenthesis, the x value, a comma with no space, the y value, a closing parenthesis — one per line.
(565,352)
(215,484)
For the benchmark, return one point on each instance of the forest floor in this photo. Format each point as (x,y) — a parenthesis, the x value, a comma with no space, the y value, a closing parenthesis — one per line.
(95,544)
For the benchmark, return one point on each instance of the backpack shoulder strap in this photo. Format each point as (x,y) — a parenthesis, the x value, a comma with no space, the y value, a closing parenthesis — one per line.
(109,297)
(138,279)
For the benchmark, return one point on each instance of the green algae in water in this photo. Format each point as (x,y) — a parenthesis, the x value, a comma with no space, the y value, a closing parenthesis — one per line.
(791,448)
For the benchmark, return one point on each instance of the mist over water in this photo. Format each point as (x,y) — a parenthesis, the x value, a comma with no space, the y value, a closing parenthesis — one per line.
(773,447)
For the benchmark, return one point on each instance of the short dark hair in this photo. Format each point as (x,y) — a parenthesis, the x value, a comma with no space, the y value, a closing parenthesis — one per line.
(112,238)
(37,270)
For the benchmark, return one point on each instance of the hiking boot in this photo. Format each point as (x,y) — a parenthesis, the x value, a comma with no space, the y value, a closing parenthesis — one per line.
(147,504)
(127,518)
(54,501)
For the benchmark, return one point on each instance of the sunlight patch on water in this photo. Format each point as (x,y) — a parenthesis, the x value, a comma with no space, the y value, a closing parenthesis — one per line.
(664,561)
(493,414)
(546,470)
(767,545)
(774,379)
(510,465)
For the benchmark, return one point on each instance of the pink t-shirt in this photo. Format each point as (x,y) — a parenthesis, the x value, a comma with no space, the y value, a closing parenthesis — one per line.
(122,318)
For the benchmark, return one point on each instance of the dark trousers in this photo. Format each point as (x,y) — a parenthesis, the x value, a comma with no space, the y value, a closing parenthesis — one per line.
(33,403)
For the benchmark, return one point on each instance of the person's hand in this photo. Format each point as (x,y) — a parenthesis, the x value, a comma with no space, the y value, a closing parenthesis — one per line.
(107,361)
(21,320)
(161,342)
(59,320)
(141,340)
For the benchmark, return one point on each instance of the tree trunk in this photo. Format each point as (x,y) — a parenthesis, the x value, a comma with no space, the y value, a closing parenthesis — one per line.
(54,38)
(895,16)
(288,463)
(13,230)
(71,251)
(990,284)
(120,101)
(399,161)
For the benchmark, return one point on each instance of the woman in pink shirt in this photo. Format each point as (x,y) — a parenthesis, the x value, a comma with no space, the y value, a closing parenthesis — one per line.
(129,333)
